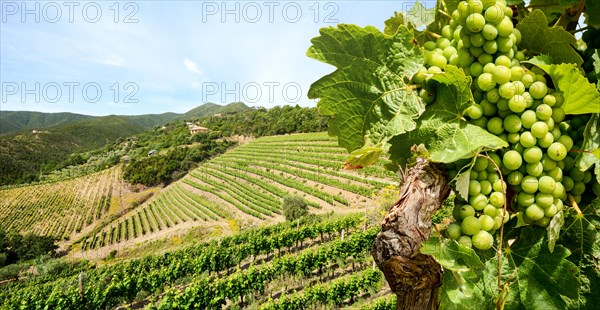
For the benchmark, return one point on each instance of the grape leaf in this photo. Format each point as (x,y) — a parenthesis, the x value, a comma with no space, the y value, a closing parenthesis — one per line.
(581,97)
(451,255)
(544,279)
(394,23)
(581,235)
(445,133)
(591,142)
(418,15)
(367,95)
(362,157)
(538,38)
(554,229)
(553,9)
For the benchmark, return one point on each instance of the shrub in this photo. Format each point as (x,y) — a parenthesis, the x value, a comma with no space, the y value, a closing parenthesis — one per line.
(294,207)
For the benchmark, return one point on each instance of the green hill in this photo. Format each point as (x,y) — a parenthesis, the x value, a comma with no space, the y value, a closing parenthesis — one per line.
(14,121)
(25,154)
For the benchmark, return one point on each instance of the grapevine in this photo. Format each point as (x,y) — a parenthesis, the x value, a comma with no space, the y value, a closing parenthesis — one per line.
(503,97)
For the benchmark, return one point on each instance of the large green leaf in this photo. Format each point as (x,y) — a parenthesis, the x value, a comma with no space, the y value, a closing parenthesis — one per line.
(581,234)
(592,13)
(442,129)
(591,142)
(451,255)
(367,96)
(581,96)
(554,9)
(538,38)
(545,280)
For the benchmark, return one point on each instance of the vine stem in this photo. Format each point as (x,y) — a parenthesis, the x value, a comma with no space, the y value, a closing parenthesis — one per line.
(574,204)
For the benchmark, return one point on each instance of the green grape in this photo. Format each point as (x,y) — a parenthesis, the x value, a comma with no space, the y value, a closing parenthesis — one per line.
(454,231)
(543,112)
(486,82)
(442,43)
(505,27)
(513,137)
(535,169)
(492,95)
(476,69)
(527,139)
(449,51)
(420,76)
(550,211)
(463,9)
(503,61)
(517,73)
(507,90)
(474,188)
(488,108)
(529,184)
(465,211)
(490,47)
(501,74)
(465,241)
(548,163)
(519,86)
(566,141)
(546,141)
(495,126)
(546,184)
(528,99)
(475,111)
(497,199)
(534,212)
(480,164)
(498,222)
(515,178)
(517,104)
(538,89)
(475,6)
(490,210)
(539,129)
(427,96)
(556,133)
(485,59)
(504,44)
(471,225)
(543,222)
(544,200)
(512,123)
(478,201)
(578,188)
(437,60)
(525,199)
(476,51)
(447,32)
(487,222)
(559,190)
(494,14)
(483,240)
(528,79)
(482,175)
(587,177)
(486,187)
(499,186)
(568,183)
(477,40)
(558,114)
(557,151)
(489,32)
(512,160)
(549,99)
(518,37)
(465,58)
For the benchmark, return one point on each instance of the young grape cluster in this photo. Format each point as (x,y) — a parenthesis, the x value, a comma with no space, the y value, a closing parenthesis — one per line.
(515,103)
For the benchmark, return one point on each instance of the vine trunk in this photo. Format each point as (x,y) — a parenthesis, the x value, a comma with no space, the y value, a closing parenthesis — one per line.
(415,278)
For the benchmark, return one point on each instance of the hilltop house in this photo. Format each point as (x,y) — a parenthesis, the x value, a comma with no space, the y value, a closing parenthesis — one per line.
(197,129)
(152,152)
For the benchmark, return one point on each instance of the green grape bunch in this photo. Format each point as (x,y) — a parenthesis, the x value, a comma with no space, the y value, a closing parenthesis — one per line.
(515,102)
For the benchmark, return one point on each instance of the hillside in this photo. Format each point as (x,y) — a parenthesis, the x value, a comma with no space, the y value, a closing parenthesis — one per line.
(245,185)
(25,155)
(14,121)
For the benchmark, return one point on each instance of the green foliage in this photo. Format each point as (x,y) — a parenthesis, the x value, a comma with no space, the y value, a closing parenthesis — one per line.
(294,207)
(376,106)
(16,247)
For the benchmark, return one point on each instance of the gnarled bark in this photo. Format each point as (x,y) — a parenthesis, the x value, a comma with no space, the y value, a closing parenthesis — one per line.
(415,278)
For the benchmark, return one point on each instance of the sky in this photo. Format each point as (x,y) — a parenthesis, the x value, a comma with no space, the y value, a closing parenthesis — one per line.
(141,57)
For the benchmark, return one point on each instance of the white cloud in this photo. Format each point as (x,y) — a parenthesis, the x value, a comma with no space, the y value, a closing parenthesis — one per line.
(191,66)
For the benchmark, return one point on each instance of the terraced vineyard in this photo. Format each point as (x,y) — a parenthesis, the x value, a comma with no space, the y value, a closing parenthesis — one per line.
(248,183)
(322,262)
(60,209)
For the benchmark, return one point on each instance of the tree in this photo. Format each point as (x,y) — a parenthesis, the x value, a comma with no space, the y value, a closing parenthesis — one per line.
(294,207)
(445,104)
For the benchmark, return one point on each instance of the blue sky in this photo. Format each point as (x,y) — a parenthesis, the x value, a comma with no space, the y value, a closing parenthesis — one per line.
(166,55)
